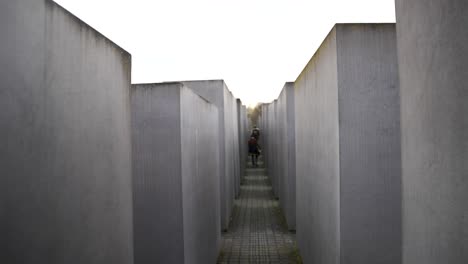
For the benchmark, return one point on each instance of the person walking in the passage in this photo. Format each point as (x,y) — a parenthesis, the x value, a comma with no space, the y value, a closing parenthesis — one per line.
(254,150)
(255,133)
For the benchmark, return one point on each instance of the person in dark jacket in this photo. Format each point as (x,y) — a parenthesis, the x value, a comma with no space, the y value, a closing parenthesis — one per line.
(255,133)
(254,150)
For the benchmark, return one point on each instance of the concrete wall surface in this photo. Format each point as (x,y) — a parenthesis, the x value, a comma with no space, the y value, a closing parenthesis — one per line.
(242,134)
(175,175)
(348,148)
(433,61)
(65,174)
(200,179)
(280,150)
(217,93)
(287,181)
(246,133)
(232,142)
(279,136)
(370,153)
(317,157)
(264,135)
(268,142)
(234,135)
(273,151)
(275,140)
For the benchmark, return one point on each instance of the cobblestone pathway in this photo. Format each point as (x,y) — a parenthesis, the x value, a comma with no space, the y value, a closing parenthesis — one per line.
(257,232)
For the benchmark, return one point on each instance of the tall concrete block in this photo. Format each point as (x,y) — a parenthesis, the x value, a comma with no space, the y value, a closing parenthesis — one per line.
(175,175)
(264,134)
(278,118)
(65,174)
(237,177)
(277,151)
(269,143)
(348,165)
(287,151)
(433,62)
(242,134)
(217,93)
(235,144)
(239,149)
(244,140)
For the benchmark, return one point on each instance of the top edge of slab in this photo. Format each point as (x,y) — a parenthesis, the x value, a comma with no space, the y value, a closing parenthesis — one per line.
(212,80)
(285,87)
(364,24)
(334,29)
(84,24)
(201,97)
(179,85)
(149,85)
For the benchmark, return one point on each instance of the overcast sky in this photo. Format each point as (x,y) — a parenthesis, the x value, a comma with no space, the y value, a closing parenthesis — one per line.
(254,45)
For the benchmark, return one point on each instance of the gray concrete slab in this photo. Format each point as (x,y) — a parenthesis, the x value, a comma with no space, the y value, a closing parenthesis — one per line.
(175,175)
(433,60)
(243,139)
(65,174)
(272,154)
(287,151)
(348,171)
(275,142)
(217,93)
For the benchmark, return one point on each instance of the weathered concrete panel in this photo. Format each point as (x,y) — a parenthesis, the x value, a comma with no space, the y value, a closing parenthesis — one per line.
(200,182)
(279,136)
(276,144)
(65,151)
(433,61)
(272,155)
(243,138)
(175,175)
(234,143)
(317,157)
(348,148)
(287,159)
(157,181)
(370,163)
(217,93)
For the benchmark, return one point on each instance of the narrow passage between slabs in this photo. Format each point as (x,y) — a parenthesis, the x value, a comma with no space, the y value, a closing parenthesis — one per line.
(257,232)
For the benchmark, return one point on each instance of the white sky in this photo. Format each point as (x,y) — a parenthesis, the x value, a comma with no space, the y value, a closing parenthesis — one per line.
(254,45)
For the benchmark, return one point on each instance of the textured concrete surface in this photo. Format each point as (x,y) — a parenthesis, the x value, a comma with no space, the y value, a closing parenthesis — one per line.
(277,151)
(287,181)
(279,117)
(175,175)
(317,157)
(238,175)
(348,148)
(433,59)
(258,233)
(217,93)
(272,144)
(263,124)
(243,134)
(65,174)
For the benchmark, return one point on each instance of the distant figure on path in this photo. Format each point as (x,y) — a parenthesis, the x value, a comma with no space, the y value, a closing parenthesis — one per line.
(255,133)
(254,150)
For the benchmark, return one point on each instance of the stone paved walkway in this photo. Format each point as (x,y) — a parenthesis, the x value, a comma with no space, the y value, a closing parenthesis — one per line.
(257,232)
